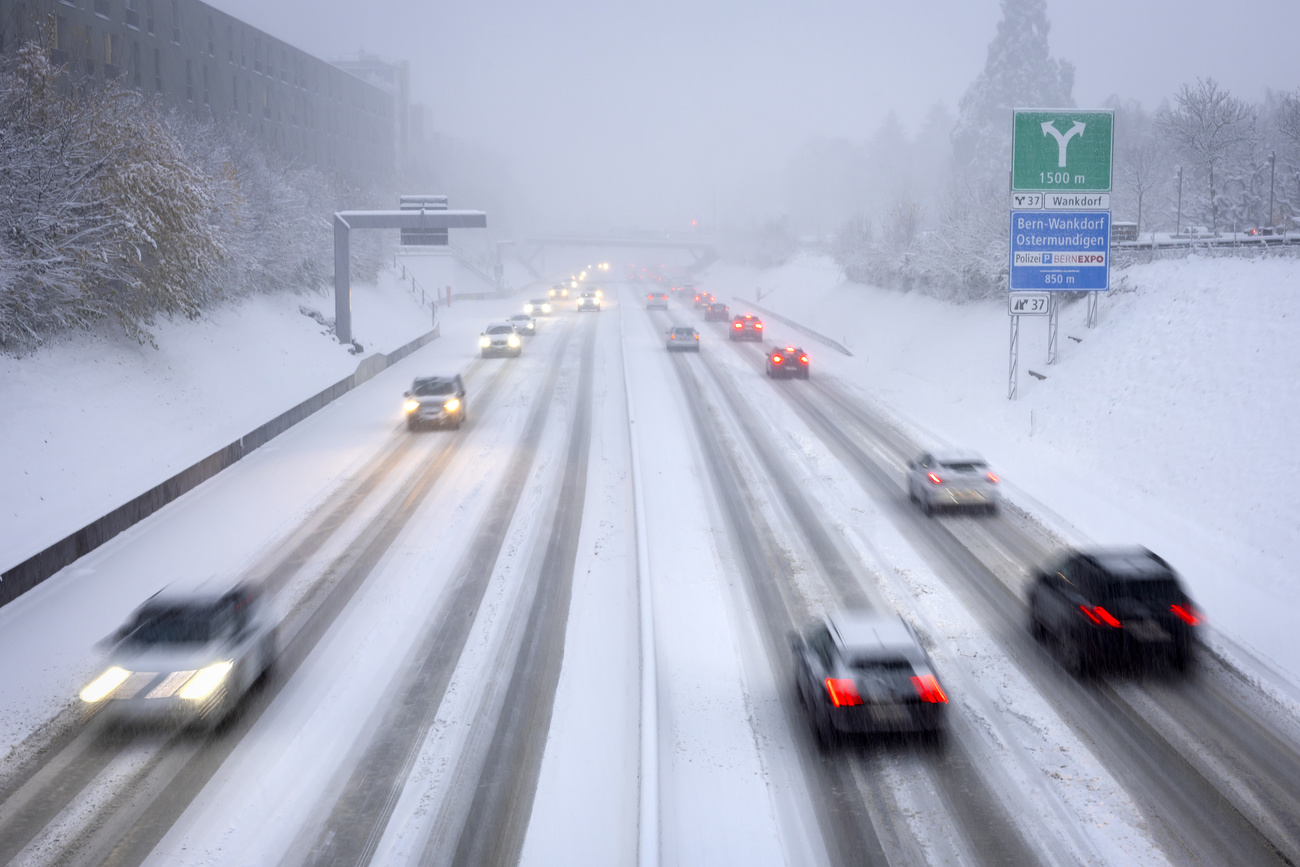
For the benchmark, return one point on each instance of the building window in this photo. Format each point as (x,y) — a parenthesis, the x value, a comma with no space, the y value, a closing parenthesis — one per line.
(133,14)
(207,97)
(148,16)
(157,70)
(176,21)
(189,80)
(212,47)
(112,48)
(135,64)
(257,54)
(243,54)
(248,98)
(230,41)
(101,8)
(266,102)
(284,65)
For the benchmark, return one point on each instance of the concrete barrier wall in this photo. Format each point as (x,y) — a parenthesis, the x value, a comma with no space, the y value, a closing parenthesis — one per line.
(38,567)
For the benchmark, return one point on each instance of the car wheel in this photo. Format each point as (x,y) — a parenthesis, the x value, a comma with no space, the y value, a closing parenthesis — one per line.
(927,507)
(1072,655)
(412,424)
(824,733)
(1036,628)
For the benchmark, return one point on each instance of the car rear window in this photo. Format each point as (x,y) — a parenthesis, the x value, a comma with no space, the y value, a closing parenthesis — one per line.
(877,664)
(965,466)
(1160,590)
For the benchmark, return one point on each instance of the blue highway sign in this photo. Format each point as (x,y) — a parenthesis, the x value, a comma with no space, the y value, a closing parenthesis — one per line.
(1061,251)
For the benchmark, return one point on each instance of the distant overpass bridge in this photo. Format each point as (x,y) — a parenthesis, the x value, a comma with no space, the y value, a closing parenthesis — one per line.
(703,251)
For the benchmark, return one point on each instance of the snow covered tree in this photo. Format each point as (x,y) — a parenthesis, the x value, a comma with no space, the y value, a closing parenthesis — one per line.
(1213,131)
(1018,72)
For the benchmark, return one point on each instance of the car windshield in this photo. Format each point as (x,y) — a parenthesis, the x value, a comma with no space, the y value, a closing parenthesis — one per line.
(432,387)
(181,625)
(520,317)
(500,329)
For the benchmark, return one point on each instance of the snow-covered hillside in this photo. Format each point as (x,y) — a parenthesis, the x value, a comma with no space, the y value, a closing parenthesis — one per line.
(1172,424)
(92,420)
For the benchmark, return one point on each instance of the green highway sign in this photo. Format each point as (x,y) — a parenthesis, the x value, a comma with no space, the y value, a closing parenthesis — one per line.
(1062,150)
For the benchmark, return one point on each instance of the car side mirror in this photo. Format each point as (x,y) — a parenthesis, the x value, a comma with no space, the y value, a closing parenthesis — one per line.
(406,394)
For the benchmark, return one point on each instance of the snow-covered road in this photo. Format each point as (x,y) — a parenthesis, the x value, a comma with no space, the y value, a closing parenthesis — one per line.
(460,674)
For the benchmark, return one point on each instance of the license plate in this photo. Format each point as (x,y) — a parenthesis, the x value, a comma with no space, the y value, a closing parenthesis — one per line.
(888,713)
(1147,631)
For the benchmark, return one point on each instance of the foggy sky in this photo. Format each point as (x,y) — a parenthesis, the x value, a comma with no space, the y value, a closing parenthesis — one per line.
(647,113)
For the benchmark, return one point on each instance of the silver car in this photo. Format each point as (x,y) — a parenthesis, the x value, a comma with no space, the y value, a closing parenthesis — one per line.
(538,307)
(683,338)
(435,400)
(500,338)
(863,672)
(185,657)
(941,480)
(589,300)
(525,325)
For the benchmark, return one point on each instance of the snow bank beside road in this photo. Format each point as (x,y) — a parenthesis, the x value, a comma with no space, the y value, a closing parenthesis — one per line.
(92,421)
(1170,425)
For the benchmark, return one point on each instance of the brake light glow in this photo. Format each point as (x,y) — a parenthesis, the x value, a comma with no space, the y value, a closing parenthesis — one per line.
(991,477)
(739,325)
(776,359)
(803,359)
(843,692)
(1185,614)
(929,690)
(1099,615)
(758,326)
(934,478)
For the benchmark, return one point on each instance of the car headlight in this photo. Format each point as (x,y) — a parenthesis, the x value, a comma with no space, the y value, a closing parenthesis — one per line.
(512,341)
(485,342)
(452,405)
(546,308)
(600,294)
(528,308)
(411,405)
(204,683)
(104,684)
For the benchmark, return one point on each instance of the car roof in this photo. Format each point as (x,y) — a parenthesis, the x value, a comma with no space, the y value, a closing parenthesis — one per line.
(683,328)
(521,316)
(205,591)
(868,633)
(500,325)
(1129,562)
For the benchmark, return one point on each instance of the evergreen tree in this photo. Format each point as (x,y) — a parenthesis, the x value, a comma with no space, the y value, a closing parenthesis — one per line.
(1019,72)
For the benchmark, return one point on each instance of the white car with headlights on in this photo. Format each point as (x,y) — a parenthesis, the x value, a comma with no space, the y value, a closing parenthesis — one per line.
(589,300)
(952,480)
(538,307)
(500,339)
(185,657)
(435,400)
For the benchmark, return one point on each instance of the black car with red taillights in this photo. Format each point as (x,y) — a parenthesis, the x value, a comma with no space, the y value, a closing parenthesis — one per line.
(1112,608)
(864,673)
(787,361)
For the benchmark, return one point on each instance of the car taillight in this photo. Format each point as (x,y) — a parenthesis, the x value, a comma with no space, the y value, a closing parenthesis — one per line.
(1185,614)
(929,690)
(1099,615)
(776,359)
(758,326)
(991,477)
(672,336)
(803,359)
(697,337)
(843,692)
(934,477)
(739,325)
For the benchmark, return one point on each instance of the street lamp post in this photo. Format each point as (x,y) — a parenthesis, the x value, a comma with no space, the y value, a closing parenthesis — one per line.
(1178,221)
(1272,172)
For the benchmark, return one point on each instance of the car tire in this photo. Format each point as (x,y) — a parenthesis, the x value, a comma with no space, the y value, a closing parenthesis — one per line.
(1037,630)
(823,733)
(412,424)
(927,507)
(1072,656)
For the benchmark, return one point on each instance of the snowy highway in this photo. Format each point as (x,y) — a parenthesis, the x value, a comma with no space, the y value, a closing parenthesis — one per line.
(459,677)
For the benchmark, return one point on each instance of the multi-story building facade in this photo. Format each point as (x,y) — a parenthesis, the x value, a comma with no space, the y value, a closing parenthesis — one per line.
(199,60)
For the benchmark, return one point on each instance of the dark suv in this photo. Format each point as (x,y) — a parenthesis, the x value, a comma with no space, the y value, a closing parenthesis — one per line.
(1113,607)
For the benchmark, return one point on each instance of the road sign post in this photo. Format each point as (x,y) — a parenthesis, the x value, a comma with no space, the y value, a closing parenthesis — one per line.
(1061,175)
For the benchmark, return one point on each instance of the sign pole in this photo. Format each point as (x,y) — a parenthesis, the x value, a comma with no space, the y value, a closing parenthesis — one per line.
(1052,317)
(1092,309)
(1013,378)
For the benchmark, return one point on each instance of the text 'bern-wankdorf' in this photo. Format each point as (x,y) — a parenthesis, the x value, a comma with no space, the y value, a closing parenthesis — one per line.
(1060,224)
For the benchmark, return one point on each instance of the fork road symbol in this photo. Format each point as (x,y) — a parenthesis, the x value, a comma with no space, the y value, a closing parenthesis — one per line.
(1062,141)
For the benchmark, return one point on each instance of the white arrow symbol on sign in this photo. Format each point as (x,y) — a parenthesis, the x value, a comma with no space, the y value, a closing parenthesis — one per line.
(1062,141)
